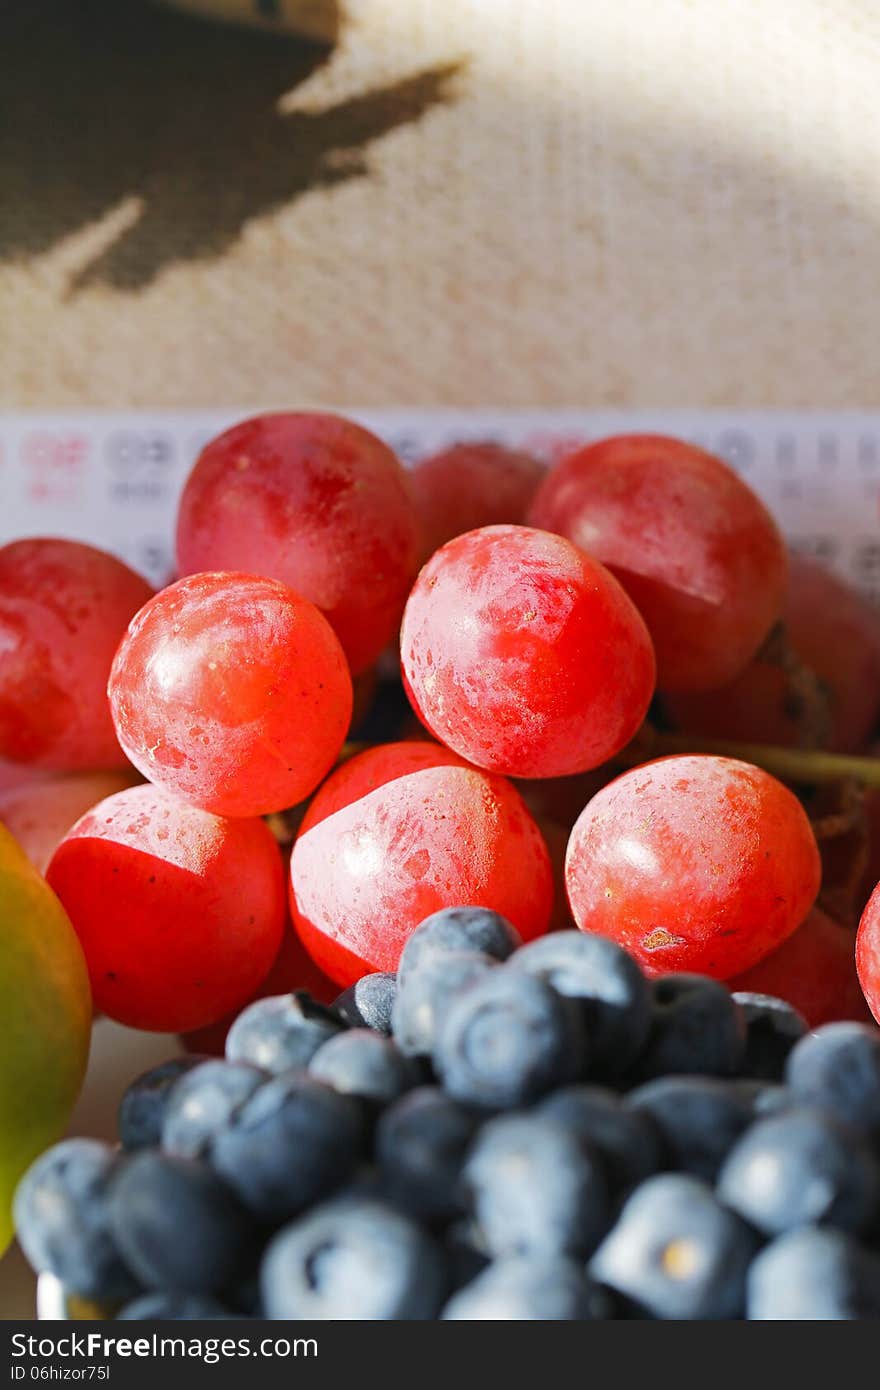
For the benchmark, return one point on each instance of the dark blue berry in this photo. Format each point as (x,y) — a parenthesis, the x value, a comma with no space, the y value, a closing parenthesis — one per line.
(364,1064)
(813,1274)
(424,1000)
(772,1029)
(699,1118)
(144,1102)
(610,989)
(62,1218)
(626,1139)
(676,1252)
(697,1029)
(838,1068)
(420,1145)
(465,1256)
(291,1144)
(280,1033)
(368,1003)
(173,1307)
(535,1188)
(526,1288)
(202,1103)
(764,1097)
(353,1260)
(456,929)
(244,1296)
(507,1040)
(178,1226)
(801,1167)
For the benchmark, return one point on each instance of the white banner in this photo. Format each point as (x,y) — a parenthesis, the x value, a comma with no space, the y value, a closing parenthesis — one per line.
(114,478)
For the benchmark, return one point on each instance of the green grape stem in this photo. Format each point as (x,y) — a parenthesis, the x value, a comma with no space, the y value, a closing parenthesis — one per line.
(805,766)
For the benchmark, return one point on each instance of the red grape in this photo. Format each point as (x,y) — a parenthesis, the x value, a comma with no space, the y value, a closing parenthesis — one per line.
(561,799)
(373,768)
(835,634)
(556,840)
(694,548)
(15,777)
(232,692)
(63,608)
(316,502)
(868,953)
(294,969)
(40,815)
(693,863)
(179,912)
(815,970)
(525,655)
(369,865)
(471,485)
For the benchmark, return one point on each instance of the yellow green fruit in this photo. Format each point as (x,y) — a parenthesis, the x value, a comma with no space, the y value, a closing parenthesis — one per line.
(45,1017)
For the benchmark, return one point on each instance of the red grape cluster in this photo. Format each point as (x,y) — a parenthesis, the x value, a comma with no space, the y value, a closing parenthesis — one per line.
(554,610)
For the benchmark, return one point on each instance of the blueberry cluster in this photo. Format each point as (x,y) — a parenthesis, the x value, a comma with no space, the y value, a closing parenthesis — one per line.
(498,1132)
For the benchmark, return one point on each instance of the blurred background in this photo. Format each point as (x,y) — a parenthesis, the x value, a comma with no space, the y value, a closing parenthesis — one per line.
(522,202)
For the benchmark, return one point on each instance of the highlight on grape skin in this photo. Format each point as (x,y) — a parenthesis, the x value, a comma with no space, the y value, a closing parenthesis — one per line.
(693,863)
(371,769)
(524,654)
(694,547)
(231,691)
(40,814)
(363,876)
(317,502)
(63,608)
(179,912)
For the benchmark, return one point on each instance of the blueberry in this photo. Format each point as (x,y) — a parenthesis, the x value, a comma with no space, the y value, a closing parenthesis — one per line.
(507,1040)
(244,1295)
(764,1097)
(465,1255)
(362,1063)
(424,1000)
(772,1029)
(801,1167)
(420,1145)
(696,1029)
(144,1102)
(838,1068)
(61,1213)
(453,929)
(525,1288)
(676,1252)
(202,1103)
(813,1274)
(699,1118)
(178,1226)
(360,1261)
(368,1003)
(626,1139)
(281,1032)
(172,1307)
(611,990)
(535,1188)
(292,1143)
